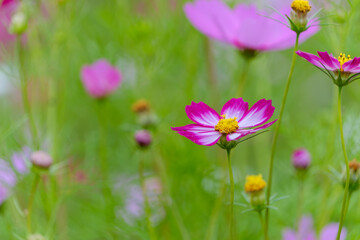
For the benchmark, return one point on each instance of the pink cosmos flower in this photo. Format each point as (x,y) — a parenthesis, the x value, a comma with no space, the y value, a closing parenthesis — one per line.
(341,70)
(306,231)
(243,27)
(301,158)
(100,78)
(7,8)
(236,121)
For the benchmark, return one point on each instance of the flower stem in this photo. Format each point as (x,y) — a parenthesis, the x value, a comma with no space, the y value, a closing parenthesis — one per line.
(276,135)
(346,193)
(146,200)
(31,201)
(261,220)
(24,92)
(106,191)
(243,76)
(215,212)
(232,188)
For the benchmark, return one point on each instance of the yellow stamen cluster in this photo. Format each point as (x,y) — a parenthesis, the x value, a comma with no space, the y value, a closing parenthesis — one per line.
(254,183)
(227,126)
(301,6)
(141,106)
(343,59)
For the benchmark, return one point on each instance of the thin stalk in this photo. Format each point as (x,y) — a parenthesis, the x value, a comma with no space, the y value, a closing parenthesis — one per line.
(215,213)
(146,200)
(243,76)
(276,135)
(211,70)
(261,220)
(24,93)
(31,202)
(110,215)
(232,188)
(346,192)
(300,202)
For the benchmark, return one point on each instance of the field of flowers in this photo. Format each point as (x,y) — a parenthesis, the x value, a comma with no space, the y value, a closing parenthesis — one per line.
(179,120)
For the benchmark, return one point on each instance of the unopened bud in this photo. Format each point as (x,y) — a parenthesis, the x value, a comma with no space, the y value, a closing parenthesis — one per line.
(298,16)
(254,186)
(41,159)
(19,23)
(143,138)
(354,183)
(301,159)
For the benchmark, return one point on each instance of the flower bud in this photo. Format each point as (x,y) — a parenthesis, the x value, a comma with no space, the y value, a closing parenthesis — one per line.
(41,159)
(354,167)
(19,23)
(141,106)
(301,159)
(298,17)
(143,138)
(254,186)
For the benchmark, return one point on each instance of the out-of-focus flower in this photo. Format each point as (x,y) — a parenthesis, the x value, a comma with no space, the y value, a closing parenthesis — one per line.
(254,186)
(143,138)
(101,78)
(19,23)
(21,160)
(342,70)
(134,209)
(301,158)
(243,27)
(7,9)
(41,159)
(7,180)
(306,231)
(354,182)
(236,121)
(141,106)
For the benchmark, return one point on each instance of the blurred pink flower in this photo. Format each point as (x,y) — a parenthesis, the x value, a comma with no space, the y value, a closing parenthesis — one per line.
(21,160)
(243,27)
(101,78)
(236,121)
(7,180)
(7,8)
(301,158)
(306,231)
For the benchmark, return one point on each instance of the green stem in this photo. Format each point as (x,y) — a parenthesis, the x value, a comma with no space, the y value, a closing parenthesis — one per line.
(275,139)
(110,215)
(215,213)
(261,220)
(300,202)
(243,76)
(31,201)
(346,192)
(24,93)
(232,188)
(146,200)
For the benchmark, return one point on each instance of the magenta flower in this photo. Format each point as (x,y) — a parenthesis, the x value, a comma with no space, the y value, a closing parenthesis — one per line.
(306,231)
(7,9)
(243,27)
(236,121)
(100,78)
(342,70)
(301,158)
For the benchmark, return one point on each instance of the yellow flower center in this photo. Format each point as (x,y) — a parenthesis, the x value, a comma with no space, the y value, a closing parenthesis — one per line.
(302,6)
(227,126)
(254,183)
(343,59)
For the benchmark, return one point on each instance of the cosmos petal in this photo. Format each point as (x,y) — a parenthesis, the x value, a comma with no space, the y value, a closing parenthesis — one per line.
(235,107)
(202,114)
(258,114)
